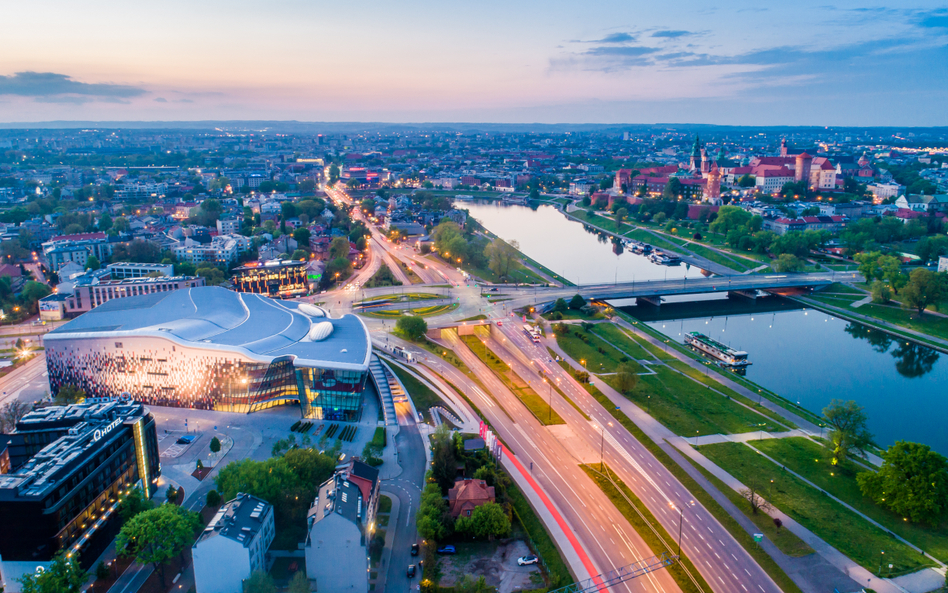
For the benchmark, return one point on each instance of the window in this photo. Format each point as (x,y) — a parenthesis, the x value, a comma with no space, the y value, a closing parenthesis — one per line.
(118,344)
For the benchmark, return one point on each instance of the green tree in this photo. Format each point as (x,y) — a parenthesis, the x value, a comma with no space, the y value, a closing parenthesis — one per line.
(432,509)
(299,583)
(338,269)
(621,215)
(444,462)
(730,218)
(101,571)
(413,328)
(929,248)
(339,247)
(789,263)
(503,257)
(212,275)
(299,255)
(923,288)
(912,482)
(133,504)
(213,498)
(560,306)
(92,263)
(62,576)
(301,236)
(69,394)
(105,222)
(673,189)
(577,302)
(259,582)
(215,445)
(488,520)
(849,432)
(627,377)
(881,293)
(747,180)
(34,291)
(171,494)
(157,535)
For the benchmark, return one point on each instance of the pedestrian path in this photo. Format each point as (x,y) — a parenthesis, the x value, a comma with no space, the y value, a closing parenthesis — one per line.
(383,385)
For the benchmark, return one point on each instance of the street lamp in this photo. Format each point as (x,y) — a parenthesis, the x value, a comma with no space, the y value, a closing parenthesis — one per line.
(680,518)
(551,399)
(602,443)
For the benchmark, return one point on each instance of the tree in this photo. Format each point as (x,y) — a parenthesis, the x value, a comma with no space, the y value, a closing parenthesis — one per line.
(62,576)
(413,328)
(577,302)
(11,413)
(924,288)
(621,215)
(133,504)
(299,255)
(560,306)
(338,269)
(849,432)
(881,293)
(299,583)
(747,180)
(69,394)
(754,499)
(215,445)
(503,257)
(157,535)
(444,463)
(488,520)
(301,236)
(432,509)
(673,189)
(171,494)
(789,263)
(912,482)
(627,377)
(259,582)
(212,275)
(339,247)
(92,263)
(101,571)
(105,222)
(34,291)
(213,498)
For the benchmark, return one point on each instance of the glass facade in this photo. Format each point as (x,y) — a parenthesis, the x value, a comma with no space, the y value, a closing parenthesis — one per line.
(288,278)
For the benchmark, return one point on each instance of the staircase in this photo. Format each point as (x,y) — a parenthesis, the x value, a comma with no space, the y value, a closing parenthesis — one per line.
(383,384)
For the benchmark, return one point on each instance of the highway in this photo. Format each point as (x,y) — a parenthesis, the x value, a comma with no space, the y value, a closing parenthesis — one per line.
(720,559)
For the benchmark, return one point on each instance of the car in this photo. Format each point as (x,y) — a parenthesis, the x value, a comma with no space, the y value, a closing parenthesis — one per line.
(447,550)
(411,571)
(493,289)
(500,323)
(527,560)
(414,549)
(186,440)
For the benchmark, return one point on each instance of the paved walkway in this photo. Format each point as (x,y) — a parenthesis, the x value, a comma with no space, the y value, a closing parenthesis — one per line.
(744,437)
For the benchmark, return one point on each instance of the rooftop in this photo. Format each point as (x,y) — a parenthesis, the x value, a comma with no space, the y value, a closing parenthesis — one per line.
(239,519)
(214,318)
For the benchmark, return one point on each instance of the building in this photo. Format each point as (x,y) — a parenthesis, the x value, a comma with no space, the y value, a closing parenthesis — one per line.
(781,226)
(273,278)
(76,248)
(467,495)
(88,291)
(882,191)
(215,349)
(942,263)
(70,467)
(123,270)
(233,545)
(222,250)
(921,203)
(229,226)
(341,524)
(772,180)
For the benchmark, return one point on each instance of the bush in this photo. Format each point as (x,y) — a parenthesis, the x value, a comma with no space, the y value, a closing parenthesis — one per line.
(101,571)
(215,445)
(171,494)
(213,498)
(413,328)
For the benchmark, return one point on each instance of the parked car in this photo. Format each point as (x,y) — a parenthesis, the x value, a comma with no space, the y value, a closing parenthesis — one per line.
(411,571)
(414,549)
(526,560)
(447,550)
(186,440)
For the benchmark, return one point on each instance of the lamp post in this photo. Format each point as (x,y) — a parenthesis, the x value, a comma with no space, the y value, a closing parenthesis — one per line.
(602,444)
(551,399)
(680,519)
(649,408)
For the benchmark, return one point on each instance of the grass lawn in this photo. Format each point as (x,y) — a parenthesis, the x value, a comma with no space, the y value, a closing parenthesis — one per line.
(685,406)
(626,343)
(423,397)
(734,528)
(530,398)
(419,312)
(655,536)
(475,318)
(927,324)
(571,314)
(812,461)
(385,504)
(838,300)
(838,526)
(600,357)
(717,257)
(784,539)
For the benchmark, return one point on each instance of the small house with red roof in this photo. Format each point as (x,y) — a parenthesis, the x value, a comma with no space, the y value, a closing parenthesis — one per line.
(467,495)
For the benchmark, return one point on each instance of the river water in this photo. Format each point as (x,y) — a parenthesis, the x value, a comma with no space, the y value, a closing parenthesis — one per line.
(802,354)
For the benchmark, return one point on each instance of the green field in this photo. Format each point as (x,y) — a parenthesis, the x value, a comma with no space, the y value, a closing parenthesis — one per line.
(841,528)
(627,344)
(600,357)
(419,312)
(812,461)
(927,324)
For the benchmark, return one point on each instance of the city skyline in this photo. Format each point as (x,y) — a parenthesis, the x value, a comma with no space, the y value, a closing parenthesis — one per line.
(801,64)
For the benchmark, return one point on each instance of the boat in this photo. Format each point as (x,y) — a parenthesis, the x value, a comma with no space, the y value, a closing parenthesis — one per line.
(664,259)
(725,355)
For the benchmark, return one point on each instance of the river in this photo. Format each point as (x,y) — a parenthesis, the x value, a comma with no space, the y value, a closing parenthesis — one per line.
(802,354)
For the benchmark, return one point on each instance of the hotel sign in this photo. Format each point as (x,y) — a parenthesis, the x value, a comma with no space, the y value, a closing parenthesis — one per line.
(101,432)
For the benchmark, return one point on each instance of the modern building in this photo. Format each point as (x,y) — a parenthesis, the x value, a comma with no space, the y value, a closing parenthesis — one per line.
(86,292)
(222,250)
(76,248)
(233,545)
(215,349)
(341,525)
(122,270)
(274,278)
(69,468)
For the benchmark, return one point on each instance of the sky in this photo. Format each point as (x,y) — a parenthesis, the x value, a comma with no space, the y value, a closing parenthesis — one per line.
(747,63)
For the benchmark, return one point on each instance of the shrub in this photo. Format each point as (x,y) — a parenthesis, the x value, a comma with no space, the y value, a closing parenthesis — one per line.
(213,498)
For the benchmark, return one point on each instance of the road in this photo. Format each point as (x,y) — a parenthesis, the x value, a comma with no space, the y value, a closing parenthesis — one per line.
(721,560)
(28,383)
(605,536)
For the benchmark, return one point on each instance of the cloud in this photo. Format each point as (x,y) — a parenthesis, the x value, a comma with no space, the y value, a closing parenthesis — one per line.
(937,19)
(160,100)
(61,88)
(623,51)
(672,34)
(617,38)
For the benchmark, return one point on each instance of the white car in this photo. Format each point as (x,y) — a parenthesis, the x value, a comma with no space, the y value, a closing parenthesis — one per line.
(526,560)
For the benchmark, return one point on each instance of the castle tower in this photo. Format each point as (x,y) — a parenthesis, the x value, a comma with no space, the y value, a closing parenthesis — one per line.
(802,170)
(696,154)
(783,147)
(705,162)
(712,190)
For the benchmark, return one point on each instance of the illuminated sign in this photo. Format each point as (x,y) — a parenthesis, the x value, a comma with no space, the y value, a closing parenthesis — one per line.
(101,432)
(315,276)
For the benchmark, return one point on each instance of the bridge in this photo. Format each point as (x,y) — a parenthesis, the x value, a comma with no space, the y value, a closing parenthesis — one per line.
(653,290)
